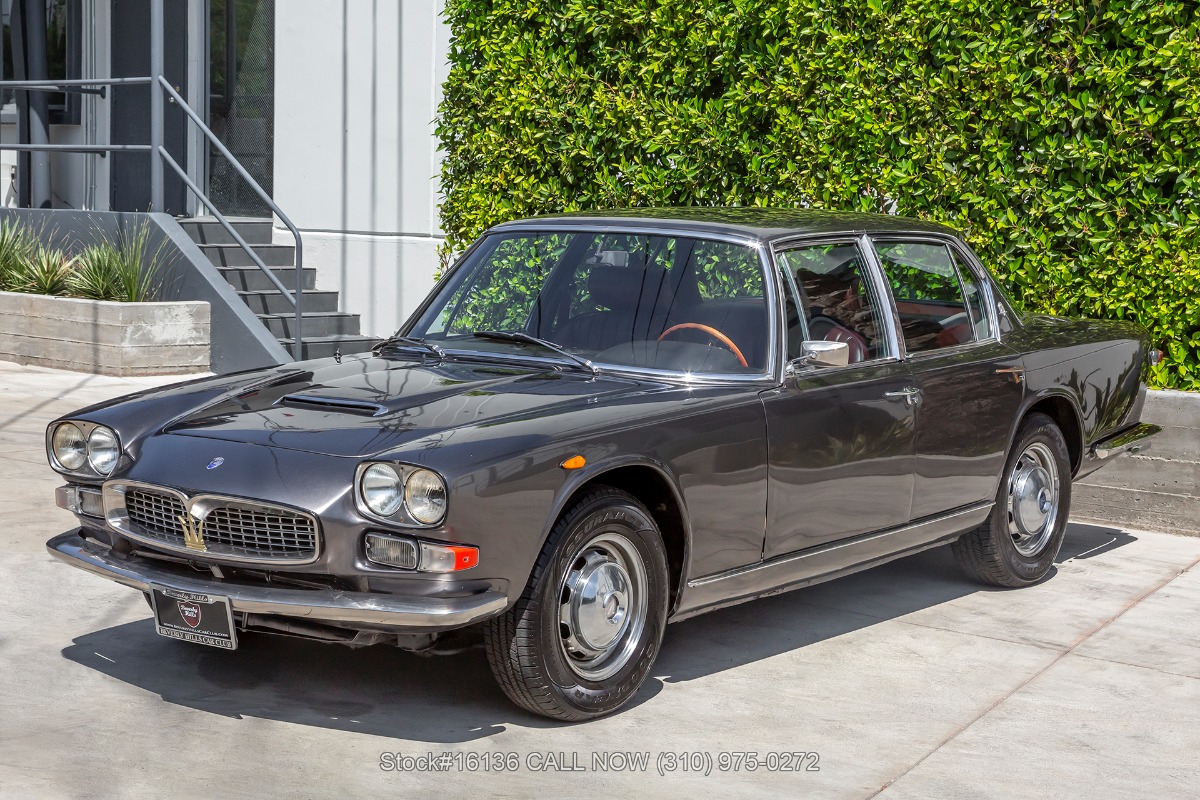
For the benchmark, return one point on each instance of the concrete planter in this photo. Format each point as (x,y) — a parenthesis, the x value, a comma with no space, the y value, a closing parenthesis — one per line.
(105,338)
(1158,490)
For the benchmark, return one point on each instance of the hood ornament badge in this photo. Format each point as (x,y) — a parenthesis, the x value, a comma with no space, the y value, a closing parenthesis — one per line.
(216,462)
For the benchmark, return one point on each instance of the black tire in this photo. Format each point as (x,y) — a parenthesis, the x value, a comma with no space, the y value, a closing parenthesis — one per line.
(543,670)
(1008,550)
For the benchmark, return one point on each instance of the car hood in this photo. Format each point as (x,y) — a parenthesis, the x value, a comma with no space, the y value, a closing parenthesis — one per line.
(368,406)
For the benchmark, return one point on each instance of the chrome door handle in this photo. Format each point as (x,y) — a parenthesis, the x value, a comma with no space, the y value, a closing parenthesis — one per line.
(910,395)
(1017,373)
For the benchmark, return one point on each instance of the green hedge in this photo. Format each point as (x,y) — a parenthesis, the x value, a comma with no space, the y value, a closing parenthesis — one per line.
(1062,137)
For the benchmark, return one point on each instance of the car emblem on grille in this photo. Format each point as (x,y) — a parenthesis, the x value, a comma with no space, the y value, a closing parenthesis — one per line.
(193,532)
(190,612)
(216,462)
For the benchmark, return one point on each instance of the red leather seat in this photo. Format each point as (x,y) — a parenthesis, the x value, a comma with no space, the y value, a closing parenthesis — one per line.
(831,331)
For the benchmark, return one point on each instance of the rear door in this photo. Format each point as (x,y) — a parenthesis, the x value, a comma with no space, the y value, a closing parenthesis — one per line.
(969,381)
(839,439)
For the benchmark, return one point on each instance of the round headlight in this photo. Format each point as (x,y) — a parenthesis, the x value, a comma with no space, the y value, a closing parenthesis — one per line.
(70,450)
(103,450)
(382,489)
(425,496)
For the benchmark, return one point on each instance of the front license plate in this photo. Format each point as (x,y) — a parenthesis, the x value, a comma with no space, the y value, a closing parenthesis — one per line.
(190,617)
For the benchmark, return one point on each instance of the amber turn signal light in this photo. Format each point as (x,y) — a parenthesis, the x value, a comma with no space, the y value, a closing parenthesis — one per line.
(574,462)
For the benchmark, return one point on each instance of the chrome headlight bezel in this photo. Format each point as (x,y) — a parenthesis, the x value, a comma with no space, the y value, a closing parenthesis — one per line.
(403,515)
(87,430)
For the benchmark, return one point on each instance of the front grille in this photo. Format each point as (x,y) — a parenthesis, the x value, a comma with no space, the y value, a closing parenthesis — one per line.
(240,529)
(156,515)
(264,534)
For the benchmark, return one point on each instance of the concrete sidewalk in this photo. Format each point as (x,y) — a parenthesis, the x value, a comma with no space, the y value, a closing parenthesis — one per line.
(908,681)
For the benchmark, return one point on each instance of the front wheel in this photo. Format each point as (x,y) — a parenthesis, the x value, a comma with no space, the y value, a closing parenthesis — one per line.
(1018,543)
(582,637)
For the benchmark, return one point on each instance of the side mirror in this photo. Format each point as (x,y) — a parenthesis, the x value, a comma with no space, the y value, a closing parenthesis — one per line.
(820,353)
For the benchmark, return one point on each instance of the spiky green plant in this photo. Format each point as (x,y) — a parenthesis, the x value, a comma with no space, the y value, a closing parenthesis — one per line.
(97,272)
(46,271)
(120,267)
(17,244)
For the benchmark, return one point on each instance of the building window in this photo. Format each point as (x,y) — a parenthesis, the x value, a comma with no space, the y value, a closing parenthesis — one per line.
(64,33)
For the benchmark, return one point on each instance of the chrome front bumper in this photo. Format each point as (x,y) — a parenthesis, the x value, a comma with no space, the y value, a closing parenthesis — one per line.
(316,605)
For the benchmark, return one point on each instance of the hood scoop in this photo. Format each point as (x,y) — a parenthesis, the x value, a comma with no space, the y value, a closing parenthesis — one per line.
(344,405)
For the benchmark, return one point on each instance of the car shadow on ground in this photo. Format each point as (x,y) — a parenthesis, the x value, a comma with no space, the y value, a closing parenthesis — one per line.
(444,699)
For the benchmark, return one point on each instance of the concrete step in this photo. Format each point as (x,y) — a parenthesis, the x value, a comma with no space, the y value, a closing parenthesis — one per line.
(322,323)
(232,255)
(206,230)
(272,302)
(325,346)
(254,279)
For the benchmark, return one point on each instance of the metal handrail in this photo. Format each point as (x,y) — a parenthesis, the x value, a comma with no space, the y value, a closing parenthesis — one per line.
(226,224)
(266,198)
(156,148)
(77,85)
(101,150)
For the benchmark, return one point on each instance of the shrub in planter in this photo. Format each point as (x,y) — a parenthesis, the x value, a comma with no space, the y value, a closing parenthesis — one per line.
(17,246)
(45,271)
(120,268)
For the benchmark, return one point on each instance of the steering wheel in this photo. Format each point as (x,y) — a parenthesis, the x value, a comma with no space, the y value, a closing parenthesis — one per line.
(711,331)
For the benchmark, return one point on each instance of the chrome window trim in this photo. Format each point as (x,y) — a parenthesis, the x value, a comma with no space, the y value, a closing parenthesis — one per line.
(116,517)
(773,369)
(985,283)
(874,277)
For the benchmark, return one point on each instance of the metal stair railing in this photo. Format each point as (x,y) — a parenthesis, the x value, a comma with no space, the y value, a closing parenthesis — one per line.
(160,87)
(294,298)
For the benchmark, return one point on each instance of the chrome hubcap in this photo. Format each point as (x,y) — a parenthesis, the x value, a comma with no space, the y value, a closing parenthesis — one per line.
(602,606)
(1033,489)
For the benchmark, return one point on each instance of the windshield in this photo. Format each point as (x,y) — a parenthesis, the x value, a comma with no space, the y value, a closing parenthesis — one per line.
(663,302)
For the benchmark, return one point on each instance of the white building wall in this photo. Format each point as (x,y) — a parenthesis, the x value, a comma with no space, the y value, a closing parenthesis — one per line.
(356,91)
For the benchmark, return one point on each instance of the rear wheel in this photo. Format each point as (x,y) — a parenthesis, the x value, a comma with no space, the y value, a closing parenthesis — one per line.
(1018,543)
(582,637)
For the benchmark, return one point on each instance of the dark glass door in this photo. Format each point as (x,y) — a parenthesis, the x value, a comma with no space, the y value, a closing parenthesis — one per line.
(241,72)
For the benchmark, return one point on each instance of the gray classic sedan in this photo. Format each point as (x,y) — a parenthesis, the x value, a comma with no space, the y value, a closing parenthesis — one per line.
(599,423)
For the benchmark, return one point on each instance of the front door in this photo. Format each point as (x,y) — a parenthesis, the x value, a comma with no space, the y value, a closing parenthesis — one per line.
(840,440)
(130,106)
(969,380)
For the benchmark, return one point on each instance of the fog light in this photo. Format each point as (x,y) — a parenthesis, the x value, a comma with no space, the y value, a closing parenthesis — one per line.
(91,502)
(391,551)
(79,500)
(405,553)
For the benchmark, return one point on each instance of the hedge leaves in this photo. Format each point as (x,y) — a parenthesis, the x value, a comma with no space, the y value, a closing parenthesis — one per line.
(1062,138)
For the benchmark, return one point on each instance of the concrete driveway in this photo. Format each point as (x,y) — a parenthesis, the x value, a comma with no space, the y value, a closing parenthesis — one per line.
(906,681)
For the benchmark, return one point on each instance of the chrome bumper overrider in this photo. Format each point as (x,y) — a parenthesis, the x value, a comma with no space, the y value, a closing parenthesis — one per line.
(317,605)
(1132,440)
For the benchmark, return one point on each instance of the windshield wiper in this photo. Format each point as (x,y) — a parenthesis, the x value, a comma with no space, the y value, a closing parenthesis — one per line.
(517,336)
(432,348)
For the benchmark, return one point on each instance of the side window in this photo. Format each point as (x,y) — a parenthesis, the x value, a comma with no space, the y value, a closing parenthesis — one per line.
(830,297)
(976,301)
(929,295)
(726,271)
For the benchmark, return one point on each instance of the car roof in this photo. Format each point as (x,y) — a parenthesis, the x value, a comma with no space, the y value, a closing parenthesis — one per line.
(763,224)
